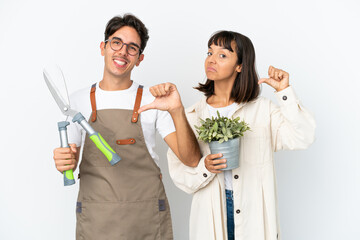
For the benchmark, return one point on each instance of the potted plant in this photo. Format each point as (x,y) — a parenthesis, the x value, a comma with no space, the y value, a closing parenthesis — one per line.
(223,135)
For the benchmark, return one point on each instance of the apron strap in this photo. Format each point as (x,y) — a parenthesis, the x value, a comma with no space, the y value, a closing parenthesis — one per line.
(93,102)
(135,115)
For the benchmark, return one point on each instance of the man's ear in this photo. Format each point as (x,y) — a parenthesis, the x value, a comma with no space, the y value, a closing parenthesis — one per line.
(238,68)
(102,47)
(141,57)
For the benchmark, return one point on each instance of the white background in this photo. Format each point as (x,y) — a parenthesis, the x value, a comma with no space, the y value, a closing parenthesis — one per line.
(317,42)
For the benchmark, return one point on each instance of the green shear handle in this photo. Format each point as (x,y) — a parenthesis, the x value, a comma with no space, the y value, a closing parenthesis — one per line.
(68,174)
(99,141)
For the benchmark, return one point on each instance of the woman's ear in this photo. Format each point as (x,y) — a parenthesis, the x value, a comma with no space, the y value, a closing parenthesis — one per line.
(238,68)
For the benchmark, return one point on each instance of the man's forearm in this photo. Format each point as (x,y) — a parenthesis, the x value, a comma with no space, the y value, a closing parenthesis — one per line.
(188,147)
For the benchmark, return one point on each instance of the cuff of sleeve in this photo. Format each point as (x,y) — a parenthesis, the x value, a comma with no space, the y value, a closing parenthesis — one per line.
(165,134)
(202,171)
(286,96)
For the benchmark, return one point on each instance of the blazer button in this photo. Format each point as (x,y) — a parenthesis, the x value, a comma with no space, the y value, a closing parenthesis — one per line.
(284,98)
(236,176)
(205,175)
(238,211)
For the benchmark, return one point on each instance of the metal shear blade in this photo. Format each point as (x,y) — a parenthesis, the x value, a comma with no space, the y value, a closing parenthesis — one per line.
(63,105)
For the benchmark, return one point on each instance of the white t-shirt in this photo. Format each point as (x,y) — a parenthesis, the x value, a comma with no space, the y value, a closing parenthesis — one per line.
(227,111)
(151,120)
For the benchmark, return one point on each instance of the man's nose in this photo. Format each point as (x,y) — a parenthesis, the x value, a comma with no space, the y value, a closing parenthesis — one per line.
(123,50)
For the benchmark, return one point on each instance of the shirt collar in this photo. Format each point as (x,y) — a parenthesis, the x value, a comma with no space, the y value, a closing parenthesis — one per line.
(202,110)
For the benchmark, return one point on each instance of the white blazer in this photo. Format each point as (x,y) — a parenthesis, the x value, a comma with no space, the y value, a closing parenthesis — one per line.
(273,128)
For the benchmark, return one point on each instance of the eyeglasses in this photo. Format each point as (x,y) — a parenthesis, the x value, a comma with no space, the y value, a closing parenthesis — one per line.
(117,44)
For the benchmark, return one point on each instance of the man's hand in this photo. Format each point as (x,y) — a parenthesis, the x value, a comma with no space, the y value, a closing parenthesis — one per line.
(278,79)
(66,158)
(212,165)
(167,98)
(183,141)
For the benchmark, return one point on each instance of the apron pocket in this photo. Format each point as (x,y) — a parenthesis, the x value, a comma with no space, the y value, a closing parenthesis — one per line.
(119,220)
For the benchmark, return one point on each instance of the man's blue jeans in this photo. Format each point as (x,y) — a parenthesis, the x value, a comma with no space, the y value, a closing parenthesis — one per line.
(230,214)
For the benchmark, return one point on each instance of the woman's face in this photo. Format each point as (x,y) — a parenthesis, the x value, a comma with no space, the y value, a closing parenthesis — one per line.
(221,64)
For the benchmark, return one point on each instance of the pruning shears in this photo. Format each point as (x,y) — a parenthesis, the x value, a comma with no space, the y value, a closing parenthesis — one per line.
(77,117)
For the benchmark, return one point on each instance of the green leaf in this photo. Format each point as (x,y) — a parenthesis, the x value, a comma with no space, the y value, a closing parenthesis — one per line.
(220,128)
(216,126)
(228,132)
(228,123)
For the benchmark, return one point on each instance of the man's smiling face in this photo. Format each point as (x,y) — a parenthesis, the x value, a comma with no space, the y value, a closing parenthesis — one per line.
(119,63)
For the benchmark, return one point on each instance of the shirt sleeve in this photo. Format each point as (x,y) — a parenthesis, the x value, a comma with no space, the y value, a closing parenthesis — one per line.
(292,125)
(164,123)
(188,179)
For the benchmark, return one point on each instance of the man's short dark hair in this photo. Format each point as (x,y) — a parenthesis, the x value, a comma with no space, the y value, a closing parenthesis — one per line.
(129,20)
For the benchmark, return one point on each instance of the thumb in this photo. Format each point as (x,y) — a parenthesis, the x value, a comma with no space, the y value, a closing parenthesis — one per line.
(147,107)
(73,147)
(264,80)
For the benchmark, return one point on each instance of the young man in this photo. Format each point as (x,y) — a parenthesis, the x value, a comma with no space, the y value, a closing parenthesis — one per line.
(127,200)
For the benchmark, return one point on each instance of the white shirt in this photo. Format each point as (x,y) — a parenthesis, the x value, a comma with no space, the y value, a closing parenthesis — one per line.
(226,112)
(151,120)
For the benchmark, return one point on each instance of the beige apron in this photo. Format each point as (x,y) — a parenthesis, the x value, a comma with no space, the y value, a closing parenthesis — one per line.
(125,201)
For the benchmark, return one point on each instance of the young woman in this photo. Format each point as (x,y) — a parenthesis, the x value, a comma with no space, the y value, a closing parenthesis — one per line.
(241,203)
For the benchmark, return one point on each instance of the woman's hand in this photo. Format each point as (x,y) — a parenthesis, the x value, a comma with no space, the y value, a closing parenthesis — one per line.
(211,164)
(278,79)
